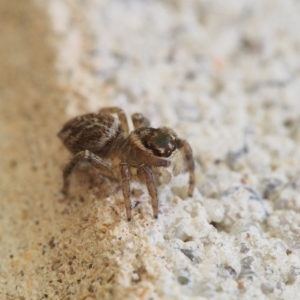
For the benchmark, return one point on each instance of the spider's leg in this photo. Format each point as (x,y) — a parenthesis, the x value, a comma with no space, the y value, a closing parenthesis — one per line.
(151,185)
(188,156)
(95,160)
(139,120)
(125,176)
(121,115)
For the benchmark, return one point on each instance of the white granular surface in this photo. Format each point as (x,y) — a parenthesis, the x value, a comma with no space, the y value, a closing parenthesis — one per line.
(226,76)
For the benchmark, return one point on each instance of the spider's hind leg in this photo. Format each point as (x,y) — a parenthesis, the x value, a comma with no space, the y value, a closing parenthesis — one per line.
(121,115)
(86,155)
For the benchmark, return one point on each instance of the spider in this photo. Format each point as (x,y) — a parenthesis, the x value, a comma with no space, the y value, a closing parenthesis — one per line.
(103,139)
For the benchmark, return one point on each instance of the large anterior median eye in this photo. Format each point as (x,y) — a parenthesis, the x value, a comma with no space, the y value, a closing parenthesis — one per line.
(160,151)
(167,152)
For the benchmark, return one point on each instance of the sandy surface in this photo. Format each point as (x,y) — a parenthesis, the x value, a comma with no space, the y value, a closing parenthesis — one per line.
(224,77)
(30,113)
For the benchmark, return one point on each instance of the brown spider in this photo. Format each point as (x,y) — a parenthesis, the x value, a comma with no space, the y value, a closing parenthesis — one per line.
(105,142)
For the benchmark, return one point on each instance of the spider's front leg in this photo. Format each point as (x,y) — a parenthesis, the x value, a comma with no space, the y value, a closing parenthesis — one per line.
(139,120)
(125,176)
(145,173)
(188,156)
(87,155)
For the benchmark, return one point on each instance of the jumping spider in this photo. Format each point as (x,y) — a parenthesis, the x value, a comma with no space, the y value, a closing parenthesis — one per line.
(104,141)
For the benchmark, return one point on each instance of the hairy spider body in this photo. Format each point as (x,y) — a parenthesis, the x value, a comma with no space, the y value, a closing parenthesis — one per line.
(100,138)
(98,133)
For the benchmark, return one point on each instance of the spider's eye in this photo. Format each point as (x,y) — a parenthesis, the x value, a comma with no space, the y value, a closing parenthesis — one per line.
(159,142)
(167,152)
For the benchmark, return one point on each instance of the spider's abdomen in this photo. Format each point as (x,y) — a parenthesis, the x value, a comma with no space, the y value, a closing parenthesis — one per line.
(98,133)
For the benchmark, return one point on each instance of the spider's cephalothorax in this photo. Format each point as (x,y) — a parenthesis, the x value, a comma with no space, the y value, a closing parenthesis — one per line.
(99,138)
